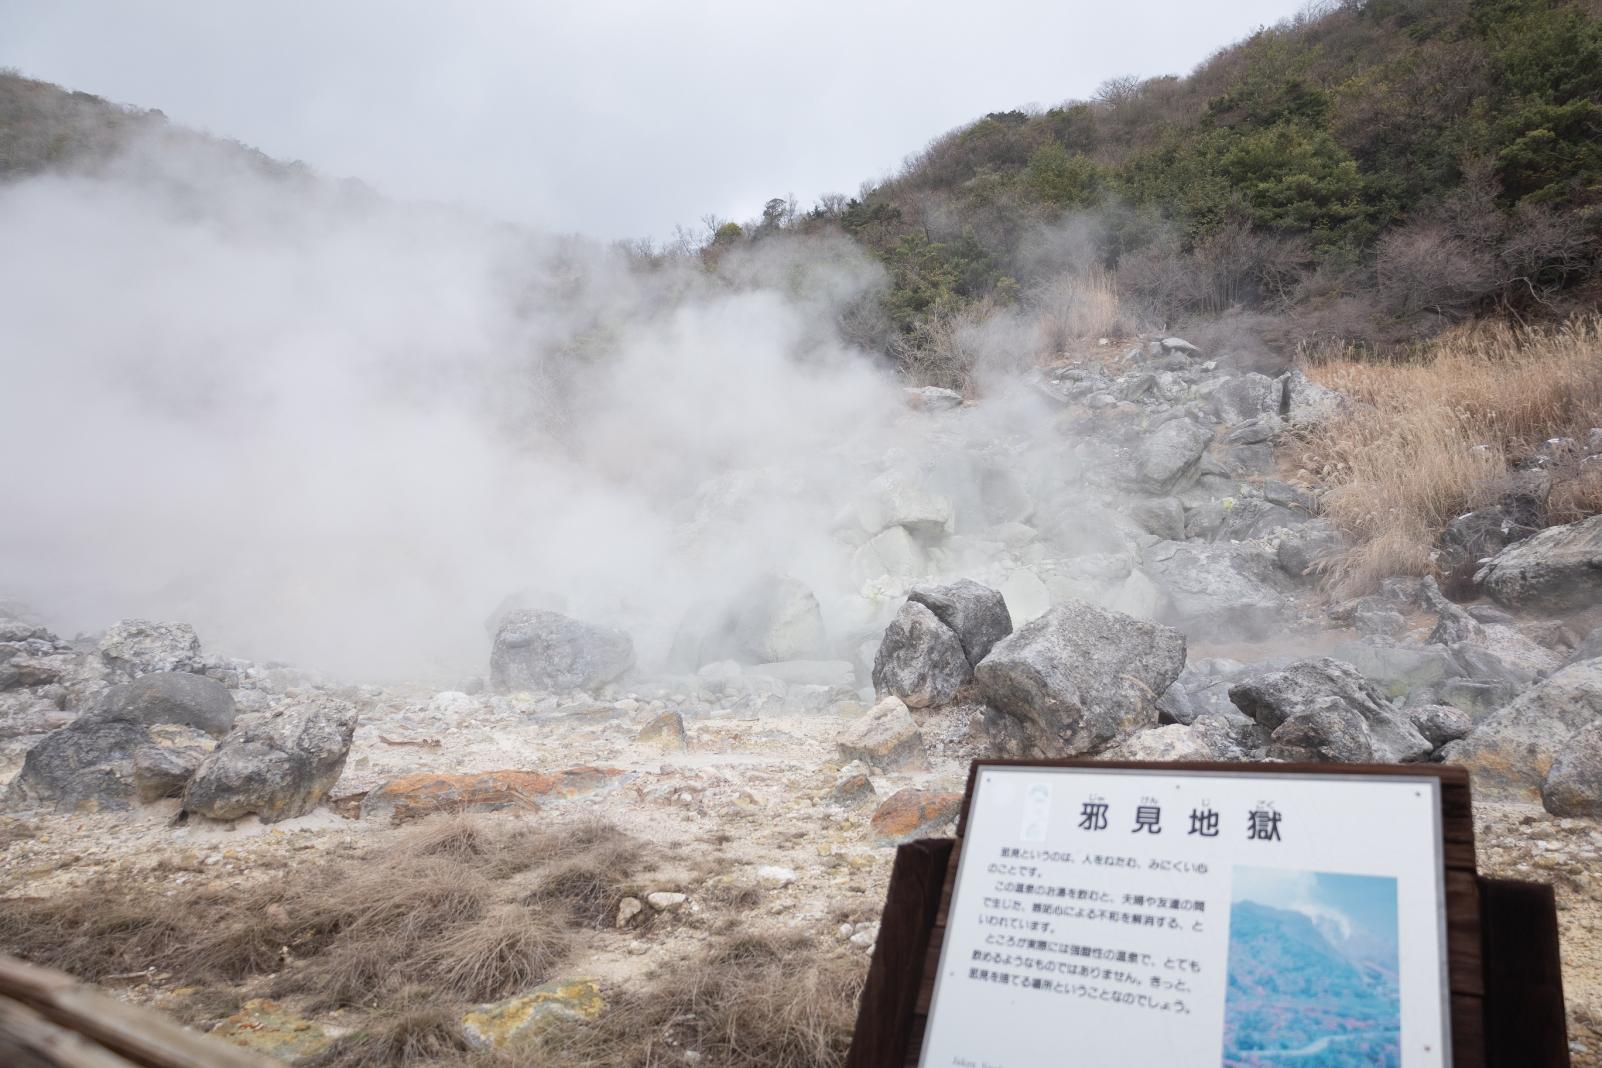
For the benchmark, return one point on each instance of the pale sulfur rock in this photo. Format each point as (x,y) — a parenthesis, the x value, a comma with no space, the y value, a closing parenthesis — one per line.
(527,1016)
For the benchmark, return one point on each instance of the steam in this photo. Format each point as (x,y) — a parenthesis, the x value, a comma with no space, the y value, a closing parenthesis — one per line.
(337,431)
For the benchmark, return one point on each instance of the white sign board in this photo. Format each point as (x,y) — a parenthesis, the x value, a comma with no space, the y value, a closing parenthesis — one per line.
(1132,917)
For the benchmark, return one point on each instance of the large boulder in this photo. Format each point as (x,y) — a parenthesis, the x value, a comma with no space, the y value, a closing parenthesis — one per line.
(774,618)
(1081,677)
(1245,397)
(1559,569)
(1573,787)
(140,742)
(81,767)
(1324,731)
(537,650)
(1314,692)
(1304,403)
(1511,752)
(976,614)
(920,659)
(893,552)
(277,769)
(169,697)
(134,647)
(897,500)
(1168,457)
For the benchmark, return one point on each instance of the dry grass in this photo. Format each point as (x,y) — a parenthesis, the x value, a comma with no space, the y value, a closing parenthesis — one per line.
(467,909)
(1080,307)
(1435,434)
(785,1002)
(404,936)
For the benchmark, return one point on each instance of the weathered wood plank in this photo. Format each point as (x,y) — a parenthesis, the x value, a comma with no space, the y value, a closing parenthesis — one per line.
(28,1040)
(142,1036)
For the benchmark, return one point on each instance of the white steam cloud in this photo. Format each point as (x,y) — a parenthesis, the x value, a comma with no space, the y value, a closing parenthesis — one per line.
(332,430)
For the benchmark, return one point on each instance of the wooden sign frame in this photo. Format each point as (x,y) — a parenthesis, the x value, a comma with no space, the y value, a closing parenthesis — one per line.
(1503,975)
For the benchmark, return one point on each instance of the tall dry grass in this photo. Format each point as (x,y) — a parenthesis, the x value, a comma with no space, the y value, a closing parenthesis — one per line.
(1435,432)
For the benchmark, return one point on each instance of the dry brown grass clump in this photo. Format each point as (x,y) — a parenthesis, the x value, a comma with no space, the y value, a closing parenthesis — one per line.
(781,1002)
(1435,434)
(467,909)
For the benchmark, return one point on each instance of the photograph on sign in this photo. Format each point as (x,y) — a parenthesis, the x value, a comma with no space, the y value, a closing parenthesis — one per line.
(1194,918)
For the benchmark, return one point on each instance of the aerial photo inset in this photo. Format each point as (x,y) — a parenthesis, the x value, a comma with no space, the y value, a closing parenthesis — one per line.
(1312,971)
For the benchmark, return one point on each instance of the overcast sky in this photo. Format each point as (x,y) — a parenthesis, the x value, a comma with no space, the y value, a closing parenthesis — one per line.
(610,117)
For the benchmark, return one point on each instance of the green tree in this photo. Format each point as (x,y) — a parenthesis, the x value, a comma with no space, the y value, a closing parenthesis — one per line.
(1059,180)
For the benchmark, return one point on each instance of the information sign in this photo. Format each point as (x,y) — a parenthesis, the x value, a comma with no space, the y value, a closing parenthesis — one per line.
(1190,918)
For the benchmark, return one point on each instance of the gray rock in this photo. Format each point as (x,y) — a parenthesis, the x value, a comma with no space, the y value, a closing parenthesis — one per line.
(1247,398)
(1167,743)
(1202,689)
(886,738)
(1276,696)
(1240,519)
(135,647)
(895,499)
(1477,699)
(1573,787)
(1167,458)
(537,650)
(82,767)
(932,398)
(1327,730)
(1081,677)
(1559,569)
(1440,724)
(777,618)
(1510,753)
(920,659)
(1453,623)
(1304,403)
(169,697)
(164,766)
(277,769)
(1590,648)
(1303,548)
(1224,591)
(1162,516)
(1378,620)
(1468,541)
(893,552)
(976,614)
(1179,344)
(1398,670)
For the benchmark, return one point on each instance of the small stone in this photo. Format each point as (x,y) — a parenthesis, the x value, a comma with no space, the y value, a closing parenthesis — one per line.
(666,900)
(266,1027)
(852,790)
(774,877)
(887,737)
(627,909)
(665,732)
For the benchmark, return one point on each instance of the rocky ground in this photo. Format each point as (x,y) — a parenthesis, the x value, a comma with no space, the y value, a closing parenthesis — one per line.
(1139,582)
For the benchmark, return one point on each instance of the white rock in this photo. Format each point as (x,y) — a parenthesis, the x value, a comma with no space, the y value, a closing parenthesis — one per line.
(627,909)
(774,877)
(666,900)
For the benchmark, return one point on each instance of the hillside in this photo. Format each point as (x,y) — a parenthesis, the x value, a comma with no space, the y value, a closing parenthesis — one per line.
(1368,171)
